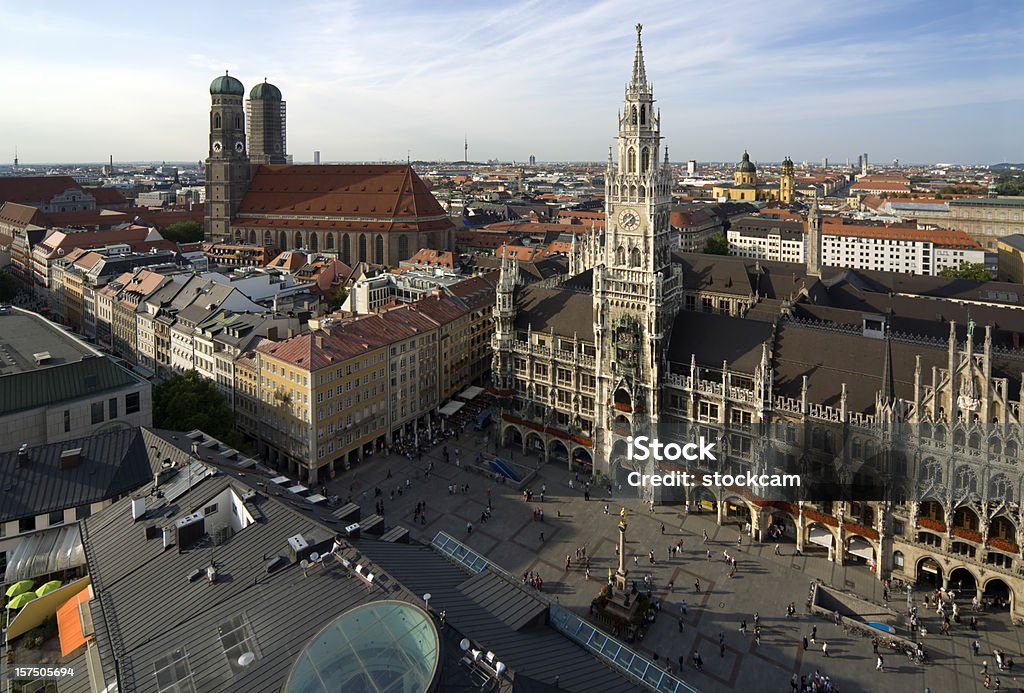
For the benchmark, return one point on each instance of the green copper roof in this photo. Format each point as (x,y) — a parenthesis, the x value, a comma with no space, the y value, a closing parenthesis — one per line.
(226,84)
(265,90)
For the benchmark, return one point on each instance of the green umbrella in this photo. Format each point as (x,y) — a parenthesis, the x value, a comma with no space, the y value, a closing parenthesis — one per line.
(48,587)
(19,587)
(21,600)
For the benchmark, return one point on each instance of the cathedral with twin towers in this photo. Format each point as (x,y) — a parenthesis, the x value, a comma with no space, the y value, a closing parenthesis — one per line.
(364,213)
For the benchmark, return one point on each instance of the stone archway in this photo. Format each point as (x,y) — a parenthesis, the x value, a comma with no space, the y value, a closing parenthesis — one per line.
(928,572)
(535,445)
(512,437)
(782,527)
(581,455)
(997,595)
(736,511)
(557,451)
(963,581)
(859,550)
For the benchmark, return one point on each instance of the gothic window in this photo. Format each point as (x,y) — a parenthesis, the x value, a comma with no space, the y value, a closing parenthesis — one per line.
(282,240)
(378,249)
(346,249)
(634,116)
(631,157)
(1011,449)
(974,442)
(216,121)
(966,480)
(926,430)
(642,193)
(958,438)
(362,247)
(645,160)
(643,115)
(329,242)
(238,122)
(314,242)
(1000,489)
(940,431)
(855,448)
(995,446)
(620,256)
(632,192)
(298,240)
(268,238)
(829,442)
(238,236)
(816,439)
(403,247)
(932,471)
(634,257)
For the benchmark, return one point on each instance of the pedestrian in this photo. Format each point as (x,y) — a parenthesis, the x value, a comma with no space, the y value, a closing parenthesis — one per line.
(777,552)
(696,586)
(682,662)
(671,584)
(824,648)
(805,643)
(976,646)
(469,528)
(709,554)
(814,633)
(721,649)
(705,536)
(879,664)
(680,625)
(874,645)
(542,537)
(662,527)
(743,627)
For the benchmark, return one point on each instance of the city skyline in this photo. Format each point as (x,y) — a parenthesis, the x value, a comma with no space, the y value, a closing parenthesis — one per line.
(524,79)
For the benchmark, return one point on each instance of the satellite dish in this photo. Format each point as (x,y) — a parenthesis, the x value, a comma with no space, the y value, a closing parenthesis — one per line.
(500,668)
(465,644)
(426,597)
(246,659)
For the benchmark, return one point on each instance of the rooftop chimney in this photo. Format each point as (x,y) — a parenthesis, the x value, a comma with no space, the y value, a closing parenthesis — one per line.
(23,455)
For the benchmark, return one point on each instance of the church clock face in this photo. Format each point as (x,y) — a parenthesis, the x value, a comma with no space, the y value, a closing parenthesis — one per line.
(239,147)
(217,146)
(629,220)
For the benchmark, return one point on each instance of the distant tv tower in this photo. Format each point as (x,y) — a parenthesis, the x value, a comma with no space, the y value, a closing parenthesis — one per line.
(465,149)
(15,156)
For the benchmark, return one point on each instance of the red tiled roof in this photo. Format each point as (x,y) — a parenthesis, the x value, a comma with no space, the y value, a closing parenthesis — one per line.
(393,198)
(107,196)
(34,189)
(19,214)
(942,237)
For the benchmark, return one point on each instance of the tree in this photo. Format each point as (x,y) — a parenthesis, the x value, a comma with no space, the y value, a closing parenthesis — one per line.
(967,270)
(717,245)
(184,232)
(190,401)
(8,287)
(338,298)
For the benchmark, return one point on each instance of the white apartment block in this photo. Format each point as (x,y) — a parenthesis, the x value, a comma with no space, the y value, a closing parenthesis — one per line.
(880,248)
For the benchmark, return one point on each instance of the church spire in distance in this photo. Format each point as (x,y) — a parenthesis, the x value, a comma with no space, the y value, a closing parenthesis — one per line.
(639,82)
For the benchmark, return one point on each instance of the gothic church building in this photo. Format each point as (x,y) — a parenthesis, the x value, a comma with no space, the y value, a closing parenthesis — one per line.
(380,214)
(862,379)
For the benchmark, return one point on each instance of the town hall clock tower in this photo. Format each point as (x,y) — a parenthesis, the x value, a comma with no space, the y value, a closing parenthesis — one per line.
(635,288)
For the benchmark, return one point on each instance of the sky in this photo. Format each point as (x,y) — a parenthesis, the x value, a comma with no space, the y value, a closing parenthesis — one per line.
(921,81)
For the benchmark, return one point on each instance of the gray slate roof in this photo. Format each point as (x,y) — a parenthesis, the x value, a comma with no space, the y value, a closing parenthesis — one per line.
(112,464)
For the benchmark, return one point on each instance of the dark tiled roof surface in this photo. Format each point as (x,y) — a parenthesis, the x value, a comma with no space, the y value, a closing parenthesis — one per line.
(112,464)
(566,313)
(69,381)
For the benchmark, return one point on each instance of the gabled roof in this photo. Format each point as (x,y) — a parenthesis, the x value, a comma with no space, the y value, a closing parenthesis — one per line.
(388,194)
(18,214)
(35,189)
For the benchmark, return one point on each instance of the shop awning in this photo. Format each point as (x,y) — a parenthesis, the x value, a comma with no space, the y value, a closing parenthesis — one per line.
(862,548)
(50,551)
(73,620)
(451,408)
(470,392)
(820,536)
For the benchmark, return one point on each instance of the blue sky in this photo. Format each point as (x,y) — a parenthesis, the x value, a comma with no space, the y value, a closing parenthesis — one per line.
(918,81)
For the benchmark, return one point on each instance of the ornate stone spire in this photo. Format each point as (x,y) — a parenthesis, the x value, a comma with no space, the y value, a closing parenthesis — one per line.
(639,81)
(888,382)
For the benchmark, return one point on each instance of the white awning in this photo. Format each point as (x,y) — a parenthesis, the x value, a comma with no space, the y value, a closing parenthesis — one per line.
(280,480)
(41,553)
(451,408)
(316,498)
(470,393)
(861,547)
(298,488)
(820,536)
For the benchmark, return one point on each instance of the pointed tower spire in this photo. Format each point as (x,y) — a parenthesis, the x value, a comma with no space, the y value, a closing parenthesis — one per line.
(639,81)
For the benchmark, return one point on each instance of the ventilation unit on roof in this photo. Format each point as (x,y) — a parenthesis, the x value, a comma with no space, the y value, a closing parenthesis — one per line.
(138,508)
(70,458)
